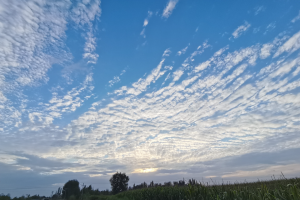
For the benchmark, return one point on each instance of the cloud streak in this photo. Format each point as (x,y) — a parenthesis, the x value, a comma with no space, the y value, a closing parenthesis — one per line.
(169,8)
(240,30)
(182,51)
(116,79)
(296,18)
(146,22)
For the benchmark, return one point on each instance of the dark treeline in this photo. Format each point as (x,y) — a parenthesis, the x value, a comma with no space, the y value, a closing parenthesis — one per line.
(72,191)
(165,184)
(24,197)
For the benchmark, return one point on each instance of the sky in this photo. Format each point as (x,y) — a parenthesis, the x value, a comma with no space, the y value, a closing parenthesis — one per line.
(159,89)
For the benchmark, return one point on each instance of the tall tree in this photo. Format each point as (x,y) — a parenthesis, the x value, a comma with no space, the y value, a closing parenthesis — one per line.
(71,188)
(119,182)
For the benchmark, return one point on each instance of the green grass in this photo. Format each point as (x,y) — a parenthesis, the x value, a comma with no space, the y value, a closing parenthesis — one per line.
(284,189)
(105,197)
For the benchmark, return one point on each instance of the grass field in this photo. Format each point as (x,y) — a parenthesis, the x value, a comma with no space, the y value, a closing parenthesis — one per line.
(276,189)
(283,189)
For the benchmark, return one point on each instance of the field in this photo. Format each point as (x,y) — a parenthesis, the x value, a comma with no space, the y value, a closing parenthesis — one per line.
(275,189)
(283,189)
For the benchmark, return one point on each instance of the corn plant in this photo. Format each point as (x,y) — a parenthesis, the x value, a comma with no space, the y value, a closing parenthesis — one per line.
(262,190)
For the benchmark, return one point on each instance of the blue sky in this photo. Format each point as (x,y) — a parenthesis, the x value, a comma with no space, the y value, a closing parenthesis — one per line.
(158,89)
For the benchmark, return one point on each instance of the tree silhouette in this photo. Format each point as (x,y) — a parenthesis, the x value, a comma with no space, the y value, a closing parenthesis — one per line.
(56,195)
(119,182)
(71,188)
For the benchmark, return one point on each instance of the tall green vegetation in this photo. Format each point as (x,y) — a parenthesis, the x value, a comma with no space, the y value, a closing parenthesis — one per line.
(71,189)
(119,182)
(269,190)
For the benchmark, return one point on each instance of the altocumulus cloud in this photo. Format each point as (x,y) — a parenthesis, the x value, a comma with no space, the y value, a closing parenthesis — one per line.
(199,118)
(32,34)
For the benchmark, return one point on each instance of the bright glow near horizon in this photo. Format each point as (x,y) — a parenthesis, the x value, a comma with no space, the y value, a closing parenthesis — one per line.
(147,170)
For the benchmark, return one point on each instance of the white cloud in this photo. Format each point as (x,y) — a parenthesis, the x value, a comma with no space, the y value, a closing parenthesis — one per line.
(241,29)
(205,45)
(84,12)
(169,8)
(168,76)
(32,35)
(296,72)
(221,109)
(59,105)
(177,74)
(270,27)
(285,68)
(116,79)
(146,22)
(202,66)
(183,109)
(296,18)
(182,51)
(33,28)
(10,159)
(143,33)
(289,46)
(202,117)
(258,9)
(142,84)
(89,48)
(266,51)
(200,49)
(2,97)
(166,52)
(71,101)
(168,67)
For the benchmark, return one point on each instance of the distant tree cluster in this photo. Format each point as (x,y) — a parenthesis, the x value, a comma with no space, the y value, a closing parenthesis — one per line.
(119,183)
(27,197)
(72,191)
(89,190)
(57,194)
(165,184)
(4,197)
